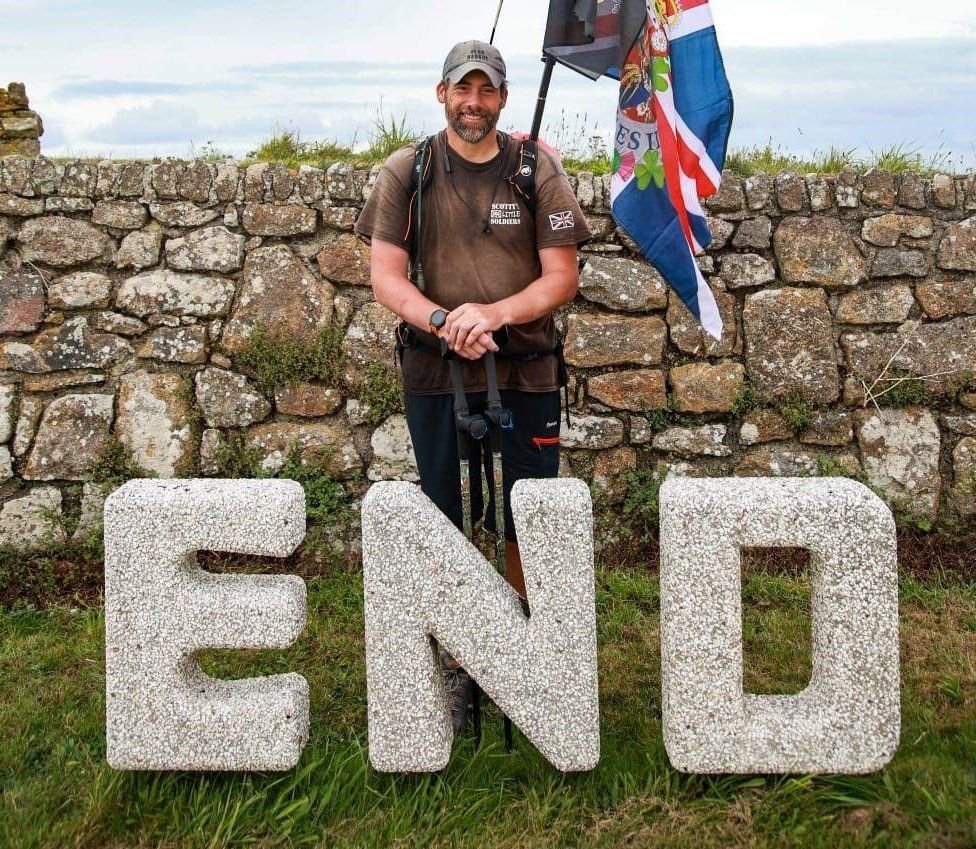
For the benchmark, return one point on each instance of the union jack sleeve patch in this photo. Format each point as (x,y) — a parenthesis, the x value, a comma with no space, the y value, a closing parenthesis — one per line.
(562,221)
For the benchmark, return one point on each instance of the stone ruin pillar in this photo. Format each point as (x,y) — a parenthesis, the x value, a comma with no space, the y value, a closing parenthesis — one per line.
(20,127)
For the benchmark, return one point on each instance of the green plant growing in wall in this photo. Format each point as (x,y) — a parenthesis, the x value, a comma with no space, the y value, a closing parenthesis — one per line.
(380,394)
(746,400)
(116,466)
(275,360)
(796,410)
(642,505)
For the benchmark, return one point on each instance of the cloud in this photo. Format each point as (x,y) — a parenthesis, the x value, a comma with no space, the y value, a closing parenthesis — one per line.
(164,123)
(115,88)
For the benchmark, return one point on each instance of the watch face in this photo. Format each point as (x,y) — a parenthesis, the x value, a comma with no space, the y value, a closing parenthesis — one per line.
(438,318)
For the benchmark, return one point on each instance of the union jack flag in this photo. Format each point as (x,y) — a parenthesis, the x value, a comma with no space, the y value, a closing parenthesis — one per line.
(562,221)
(674,115)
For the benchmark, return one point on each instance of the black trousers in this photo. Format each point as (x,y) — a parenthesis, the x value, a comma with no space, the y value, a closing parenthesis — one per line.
(530,450)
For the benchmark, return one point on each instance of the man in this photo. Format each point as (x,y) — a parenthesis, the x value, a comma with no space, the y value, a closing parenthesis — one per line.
(488,263)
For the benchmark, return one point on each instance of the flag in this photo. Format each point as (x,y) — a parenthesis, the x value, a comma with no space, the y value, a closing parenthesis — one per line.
(674,115)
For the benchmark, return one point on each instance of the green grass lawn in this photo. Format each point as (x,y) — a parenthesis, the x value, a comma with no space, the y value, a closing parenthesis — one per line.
(58,790)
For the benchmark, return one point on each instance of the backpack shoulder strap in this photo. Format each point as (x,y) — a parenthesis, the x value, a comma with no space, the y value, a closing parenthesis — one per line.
(420,177)
(523,177)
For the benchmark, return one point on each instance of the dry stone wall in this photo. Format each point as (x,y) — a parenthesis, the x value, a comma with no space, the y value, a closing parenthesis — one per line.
(129,290)
(20,127)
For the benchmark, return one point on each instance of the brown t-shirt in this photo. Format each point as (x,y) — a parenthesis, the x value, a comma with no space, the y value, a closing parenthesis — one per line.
(465,264)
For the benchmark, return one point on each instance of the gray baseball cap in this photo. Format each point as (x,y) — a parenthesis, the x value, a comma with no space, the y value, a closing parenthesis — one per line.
(471,56)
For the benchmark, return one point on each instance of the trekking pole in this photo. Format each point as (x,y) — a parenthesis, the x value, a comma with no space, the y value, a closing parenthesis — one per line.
(471,429)
(499,420)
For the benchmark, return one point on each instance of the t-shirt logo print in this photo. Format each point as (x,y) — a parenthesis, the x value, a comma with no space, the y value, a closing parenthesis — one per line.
(562,221)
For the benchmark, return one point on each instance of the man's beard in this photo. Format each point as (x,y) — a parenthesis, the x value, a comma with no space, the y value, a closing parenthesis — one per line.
(472,134)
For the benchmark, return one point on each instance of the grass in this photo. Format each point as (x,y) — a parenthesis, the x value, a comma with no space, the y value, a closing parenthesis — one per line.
(896,158)
(389,133)
(58,791)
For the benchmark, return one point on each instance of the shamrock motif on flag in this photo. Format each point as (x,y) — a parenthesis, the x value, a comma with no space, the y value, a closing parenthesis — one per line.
(650,168)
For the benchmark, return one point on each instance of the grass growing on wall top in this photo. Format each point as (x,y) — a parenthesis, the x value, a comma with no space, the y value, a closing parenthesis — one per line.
(58,790)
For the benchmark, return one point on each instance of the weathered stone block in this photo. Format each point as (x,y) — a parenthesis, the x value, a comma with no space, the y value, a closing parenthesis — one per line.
(329,443)
(6,412)
(162,711)
(706,387)
(730,196)
(911,191)
(821,188)
(423,579)
(21,301)
(848,719)
(345,260)
(602,340)
(308,400)
(593,433)
(759,190)
(964,477)
(818,250)
(228,399)
(637,390)
(187,345)
(71,438)
(281,294)
(195,181)
(80,290)
(802,360)
(74,346)
(707,440)
(830,428)
(369,339)
(943,191)
(951,297)
(689,336)
(957,250)
(393,455)
(174,293)
(78,180)
(30,522)
(181,213)
(121,214)
(139,250)
(891,262)
(154,422)
(21,207)
(166,179)
(764,426)
(623,284)
(115,322)
(900,452)
(754,233)
(209,249)
(740,271)
(227,178)
(790,191)
(879,188)
(345,182)
(941,352)
(63,242)
(278,219)
(880,305)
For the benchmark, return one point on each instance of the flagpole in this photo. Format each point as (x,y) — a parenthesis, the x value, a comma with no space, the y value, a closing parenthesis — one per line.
(540,105)
(498,14)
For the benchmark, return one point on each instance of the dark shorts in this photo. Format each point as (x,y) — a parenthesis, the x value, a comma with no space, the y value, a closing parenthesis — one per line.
(530,450)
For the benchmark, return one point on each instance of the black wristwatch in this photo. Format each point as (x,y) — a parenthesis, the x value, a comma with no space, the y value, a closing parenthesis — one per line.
(438,318)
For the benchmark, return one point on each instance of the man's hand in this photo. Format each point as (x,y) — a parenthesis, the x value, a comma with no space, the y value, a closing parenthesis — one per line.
(469,327)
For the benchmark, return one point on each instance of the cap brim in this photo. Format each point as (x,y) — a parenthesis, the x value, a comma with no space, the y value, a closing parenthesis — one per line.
(461,71)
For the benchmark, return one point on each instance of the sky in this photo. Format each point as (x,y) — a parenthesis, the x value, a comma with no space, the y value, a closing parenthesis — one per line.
(118,79)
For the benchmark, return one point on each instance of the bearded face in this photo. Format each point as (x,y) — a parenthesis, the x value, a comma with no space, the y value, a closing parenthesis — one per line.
(473,106)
